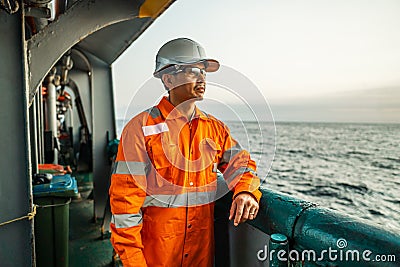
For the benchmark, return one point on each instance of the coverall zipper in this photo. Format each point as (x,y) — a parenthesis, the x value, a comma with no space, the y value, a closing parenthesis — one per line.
(187,206)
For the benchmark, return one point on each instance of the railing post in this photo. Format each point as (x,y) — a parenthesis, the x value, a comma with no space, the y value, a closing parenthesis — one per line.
(278,250)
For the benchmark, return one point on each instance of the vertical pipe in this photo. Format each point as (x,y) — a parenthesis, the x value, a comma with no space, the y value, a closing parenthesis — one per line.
(70,116)
(34,135)
(52,114)
(54,9)
(278,251)
(71,127)
(26,86)
(40,128)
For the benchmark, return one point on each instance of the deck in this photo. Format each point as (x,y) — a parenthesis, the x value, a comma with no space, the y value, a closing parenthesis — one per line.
(87,248)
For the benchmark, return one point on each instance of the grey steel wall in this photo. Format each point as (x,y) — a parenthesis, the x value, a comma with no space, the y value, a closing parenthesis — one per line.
(103,122)
(245,243)
(15,197)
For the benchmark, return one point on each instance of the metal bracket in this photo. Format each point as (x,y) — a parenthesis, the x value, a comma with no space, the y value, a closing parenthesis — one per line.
(9,5)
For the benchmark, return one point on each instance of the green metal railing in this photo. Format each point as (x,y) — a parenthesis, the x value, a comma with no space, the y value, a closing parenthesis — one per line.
(322,237)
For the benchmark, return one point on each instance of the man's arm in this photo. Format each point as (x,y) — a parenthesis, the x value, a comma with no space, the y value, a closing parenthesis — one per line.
(244,207)
(240,174)
(127,194)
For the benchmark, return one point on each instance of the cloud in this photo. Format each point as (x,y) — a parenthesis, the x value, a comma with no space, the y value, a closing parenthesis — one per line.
(371,105)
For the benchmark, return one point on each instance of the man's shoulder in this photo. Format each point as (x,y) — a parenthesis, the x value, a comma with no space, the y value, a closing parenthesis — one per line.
(142,118)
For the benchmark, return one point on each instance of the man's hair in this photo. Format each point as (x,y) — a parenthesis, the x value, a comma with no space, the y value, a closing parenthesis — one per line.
(166,88)
(165,71)
(162,81)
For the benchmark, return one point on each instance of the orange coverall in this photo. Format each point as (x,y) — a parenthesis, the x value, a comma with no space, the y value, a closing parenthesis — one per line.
(163,186)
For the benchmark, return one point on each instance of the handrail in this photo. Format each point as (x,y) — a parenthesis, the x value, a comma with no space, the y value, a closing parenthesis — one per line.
(313,228)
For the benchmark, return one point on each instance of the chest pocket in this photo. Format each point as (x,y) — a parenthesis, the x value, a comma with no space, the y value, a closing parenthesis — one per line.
(162,154)
(210,154)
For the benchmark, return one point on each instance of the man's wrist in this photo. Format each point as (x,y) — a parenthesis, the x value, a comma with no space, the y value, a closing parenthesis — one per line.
(246,192)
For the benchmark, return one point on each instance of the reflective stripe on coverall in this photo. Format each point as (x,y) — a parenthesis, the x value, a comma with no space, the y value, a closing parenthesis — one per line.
(163,186)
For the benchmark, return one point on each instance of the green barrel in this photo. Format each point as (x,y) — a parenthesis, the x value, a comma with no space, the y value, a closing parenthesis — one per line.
(52,220)
(52,231)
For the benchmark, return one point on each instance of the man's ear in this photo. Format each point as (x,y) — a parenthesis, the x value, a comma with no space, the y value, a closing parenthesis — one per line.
(167,80)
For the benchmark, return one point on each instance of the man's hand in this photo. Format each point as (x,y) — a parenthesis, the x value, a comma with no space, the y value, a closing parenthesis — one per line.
(244,207)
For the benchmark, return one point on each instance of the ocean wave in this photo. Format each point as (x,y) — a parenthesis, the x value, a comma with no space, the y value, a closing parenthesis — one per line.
(356,188)
(375,212)
(393,159)
(383,166)
(357,152)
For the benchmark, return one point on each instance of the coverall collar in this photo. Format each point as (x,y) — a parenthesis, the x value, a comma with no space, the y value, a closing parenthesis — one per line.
(169,111)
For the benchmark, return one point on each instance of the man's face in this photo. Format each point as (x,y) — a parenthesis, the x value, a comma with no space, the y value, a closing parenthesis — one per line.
(188,83)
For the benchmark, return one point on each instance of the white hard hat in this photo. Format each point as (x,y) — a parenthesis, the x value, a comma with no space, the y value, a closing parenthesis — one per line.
(182,51)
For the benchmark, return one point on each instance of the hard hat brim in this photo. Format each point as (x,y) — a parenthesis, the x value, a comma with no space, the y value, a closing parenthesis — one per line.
(211,65)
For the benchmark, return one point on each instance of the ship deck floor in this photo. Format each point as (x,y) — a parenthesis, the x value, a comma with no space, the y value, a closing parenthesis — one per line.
(87,248)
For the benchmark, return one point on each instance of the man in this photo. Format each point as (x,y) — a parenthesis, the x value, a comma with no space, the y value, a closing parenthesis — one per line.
(164,182)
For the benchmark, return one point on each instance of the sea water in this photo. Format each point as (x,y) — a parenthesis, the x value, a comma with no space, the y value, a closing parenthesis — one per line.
(350,168)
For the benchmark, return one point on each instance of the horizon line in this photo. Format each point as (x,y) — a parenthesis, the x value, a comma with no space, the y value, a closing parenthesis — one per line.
(303,121)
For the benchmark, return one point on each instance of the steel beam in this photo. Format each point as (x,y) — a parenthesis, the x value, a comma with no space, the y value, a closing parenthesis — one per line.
(16,239)
(103,127)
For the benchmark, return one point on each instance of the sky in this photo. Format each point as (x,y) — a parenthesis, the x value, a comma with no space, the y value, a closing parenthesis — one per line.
(310,60)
